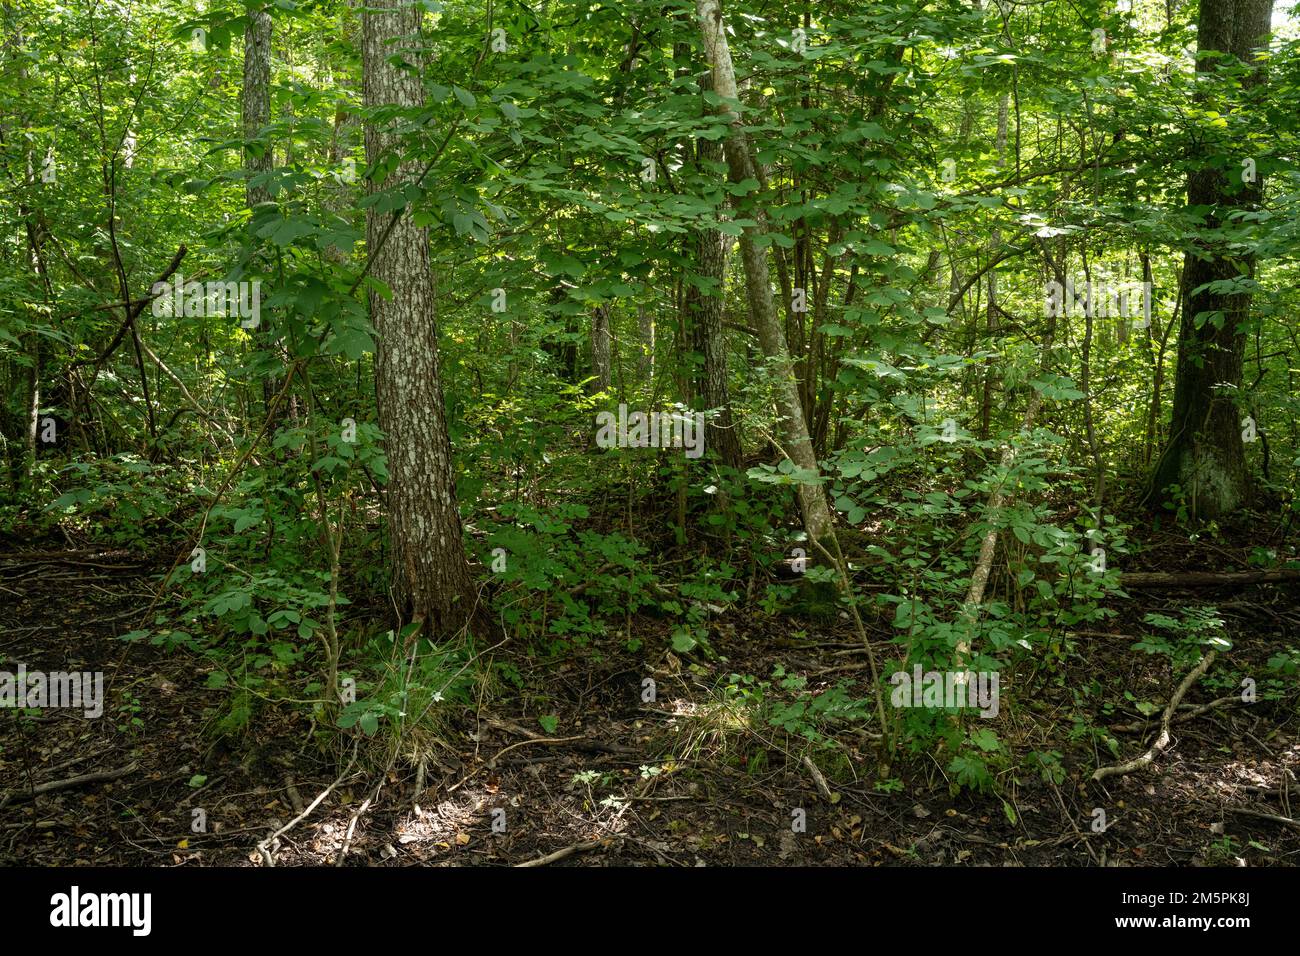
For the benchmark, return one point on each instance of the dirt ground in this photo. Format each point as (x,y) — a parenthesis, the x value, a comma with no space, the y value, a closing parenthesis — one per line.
(679,781)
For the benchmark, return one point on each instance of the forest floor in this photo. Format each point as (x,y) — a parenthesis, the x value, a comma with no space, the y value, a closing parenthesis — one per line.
(683,781)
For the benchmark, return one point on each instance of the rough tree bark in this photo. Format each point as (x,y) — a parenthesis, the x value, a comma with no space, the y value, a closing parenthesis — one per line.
(256,103)
(602,364)
(431,577)
(705,315)
(1204,454)
(793,424)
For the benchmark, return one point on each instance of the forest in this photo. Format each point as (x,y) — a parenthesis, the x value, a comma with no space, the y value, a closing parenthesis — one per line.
(649,433)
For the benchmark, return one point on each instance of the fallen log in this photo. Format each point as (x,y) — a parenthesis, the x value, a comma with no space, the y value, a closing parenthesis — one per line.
(1208,579)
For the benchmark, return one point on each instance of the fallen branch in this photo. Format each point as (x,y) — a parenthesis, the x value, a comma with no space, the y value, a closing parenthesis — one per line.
(1188,712)
(1286,821)
(1162,741)
(561,854)
(103,776)
(266,849)
(818,779)
(185,392)
(1209,579)
(352,827)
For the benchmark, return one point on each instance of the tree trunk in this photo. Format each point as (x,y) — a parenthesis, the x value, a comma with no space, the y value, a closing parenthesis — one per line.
(705,316)
(339,198)
(431,577)
(1204,455)
(257,102)
(793,425)
(34,344)
(991,311)
(645,323)
(601,350)
(258,158)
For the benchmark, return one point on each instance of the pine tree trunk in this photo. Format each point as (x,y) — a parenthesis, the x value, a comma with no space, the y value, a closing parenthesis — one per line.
(431,577)
(793,424)
(1205,456)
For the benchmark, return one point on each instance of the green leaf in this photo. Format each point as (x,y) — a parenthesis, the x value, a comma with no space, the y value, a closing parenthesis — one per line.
(684,641)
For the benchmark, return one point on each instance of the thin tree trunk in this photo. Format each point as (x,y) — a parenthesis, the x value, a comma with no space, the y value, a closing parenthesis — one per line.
(705,315)
(257,102)
(991,312)
(793,424)
(431,577)
(601,350)
(645,322)
(1095,452)
(33,343)
(258,158)
(338,199)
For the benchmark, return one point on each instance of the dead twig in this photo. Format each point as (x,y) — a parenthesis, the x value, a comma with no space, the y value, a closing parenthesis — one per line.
(818,779)
(1286,821)
(562,853)
(1187,712)
(102,776)
(265,847)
